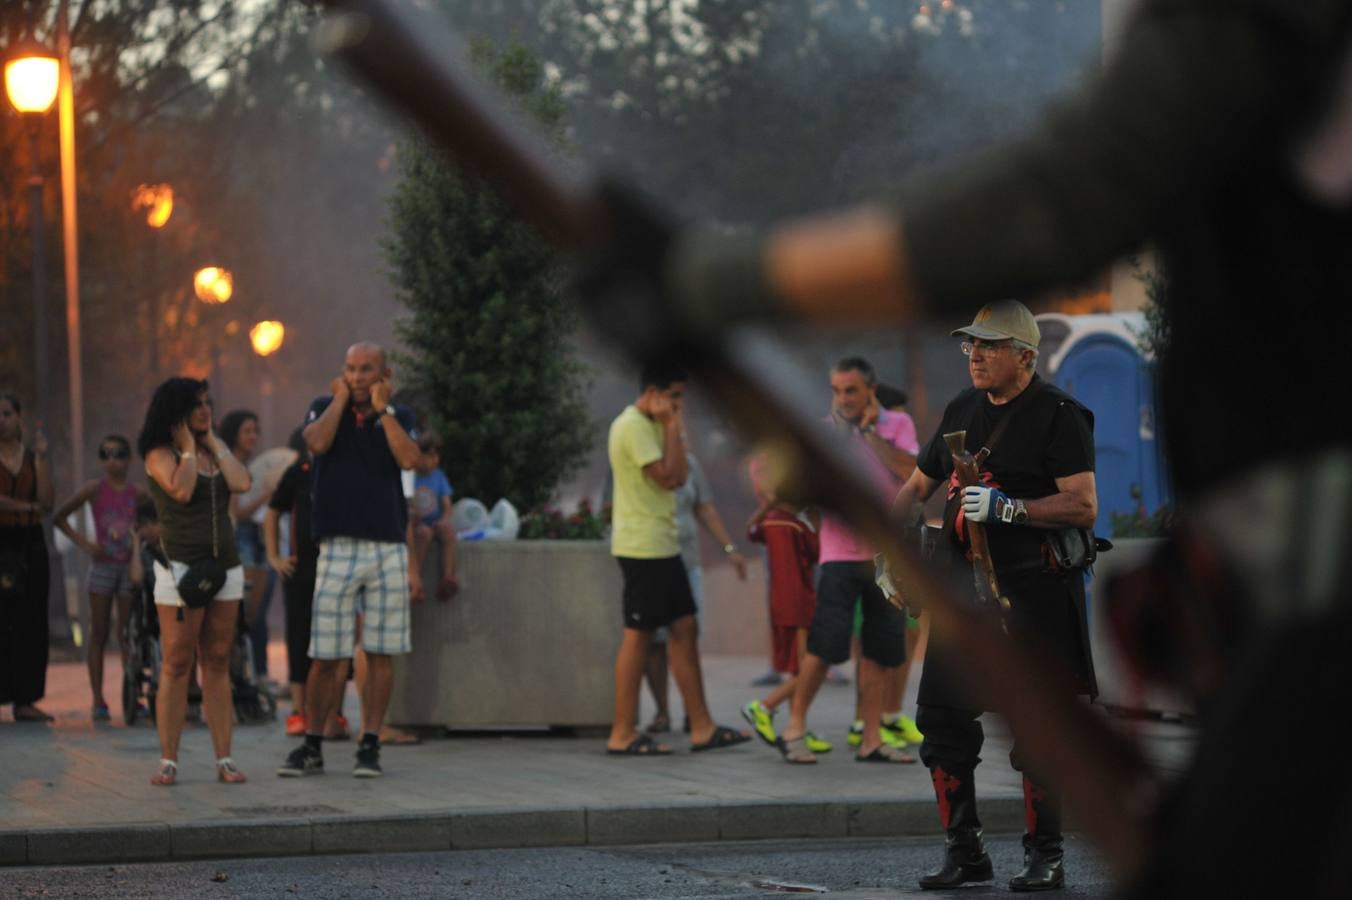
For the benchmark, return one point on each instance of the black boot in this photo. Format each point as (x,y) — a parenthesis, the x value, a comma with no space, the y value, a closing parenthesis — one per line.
(1042,844)
(965,858)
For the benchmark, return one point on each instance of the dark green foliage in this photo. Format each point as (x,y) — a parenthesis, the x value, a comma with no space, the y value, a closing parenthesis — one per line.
(1139,525)
(1155,339)
(551,524)
(488,337)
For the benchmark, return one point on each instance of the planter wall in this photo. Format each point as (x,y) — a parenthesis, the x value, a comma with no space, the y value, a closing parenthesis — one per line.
(530,639)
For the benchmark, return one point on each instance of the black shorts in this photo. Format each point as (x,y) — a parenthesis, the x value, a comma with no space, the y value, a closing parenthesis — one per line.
(656,592)
(882,638)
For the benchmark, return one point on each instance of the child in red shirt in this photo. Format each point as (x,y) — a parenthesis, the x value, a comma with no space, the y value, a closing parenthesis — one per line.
(792,547)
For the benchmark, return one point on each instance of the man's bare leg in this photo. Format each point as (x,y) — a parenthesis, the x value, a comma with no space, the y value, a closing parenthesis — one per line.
(872,681)
(683,637)
(811,673)
(629,663)
(655,672)
(321,693)
(375,698)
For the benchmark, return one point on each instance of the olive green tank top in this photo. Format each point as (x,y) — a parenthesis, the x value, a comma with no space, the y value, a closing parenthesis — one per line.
(186,528)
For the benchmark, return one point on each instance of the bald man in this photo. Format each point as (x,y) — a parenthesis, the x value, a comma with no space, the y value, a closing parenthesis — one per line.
(360,442)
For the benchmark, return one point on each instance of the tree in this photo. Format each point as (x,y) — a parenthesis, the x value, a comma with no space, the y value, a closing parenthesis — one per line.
(489,336)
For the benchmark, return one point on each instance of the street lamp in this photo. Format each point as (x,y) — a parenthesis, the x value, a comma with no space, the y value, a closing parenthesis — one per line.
(158,202)
(32,76)
(213,284)
(267,337)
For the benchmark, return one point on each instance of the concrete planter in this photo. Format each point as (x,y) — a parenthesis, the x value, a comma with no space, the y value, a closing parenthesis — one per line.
(1114,686)
(529,640)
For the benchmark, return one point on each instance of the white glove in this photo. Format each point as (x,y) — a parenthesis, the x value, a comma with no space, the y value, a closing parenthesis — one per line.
(985,504)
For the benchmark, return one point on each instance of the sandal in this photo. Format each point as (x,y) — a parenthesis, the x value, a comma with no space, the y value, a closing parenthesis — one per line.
(228,772)
(723,736)
(661,724)
(796,751)
(884,753)
(641,746)
(167,775)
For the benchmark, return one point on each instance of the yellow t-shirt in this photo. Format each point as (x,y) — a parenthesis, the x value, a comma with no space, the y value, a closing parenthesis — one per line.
(643,514)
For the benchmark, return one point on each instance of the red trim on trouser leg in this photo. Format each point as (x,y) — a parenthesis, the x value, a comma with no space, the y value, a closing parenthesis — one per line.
(1033,796)
(944,783)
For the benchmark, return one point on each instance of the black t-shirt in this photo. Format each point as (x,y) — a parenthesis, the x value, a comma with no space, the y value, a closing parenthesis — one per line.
(1051,436)
(358,492)
(293,496)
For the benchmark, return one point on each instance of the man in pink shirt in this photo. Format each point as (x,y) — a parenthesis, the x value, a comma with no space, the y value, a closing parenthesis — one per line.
(887,446)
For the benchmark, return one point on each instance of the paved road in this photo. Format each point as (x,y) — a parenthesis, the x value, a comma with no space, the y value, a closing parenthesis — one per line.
(731,870)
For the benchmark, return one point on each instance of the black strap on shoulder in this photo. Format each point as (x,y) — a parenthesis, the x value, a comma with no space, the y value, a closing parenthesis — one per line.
(1018,403)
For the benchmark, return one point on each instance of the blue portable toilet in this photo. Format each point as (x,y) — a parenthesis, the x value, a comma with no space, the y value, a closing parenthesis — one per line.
(1097,359)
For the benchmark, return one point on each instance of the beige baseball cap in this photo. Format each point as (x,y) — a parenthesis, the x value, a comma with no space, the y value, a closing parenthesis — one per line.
(1001,320)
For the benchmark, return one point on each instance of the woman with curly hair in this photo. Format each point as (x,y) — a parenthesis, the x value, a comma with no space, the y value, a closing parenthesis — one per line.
(192,475)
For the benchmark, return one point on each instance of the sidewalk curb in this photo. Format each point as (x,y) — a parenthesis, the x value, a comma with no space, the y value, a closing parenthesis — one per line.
(484,829)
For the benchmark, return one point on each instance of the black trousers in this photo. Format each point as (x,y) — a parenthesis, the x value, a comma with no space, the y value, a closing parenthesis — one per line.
(23,618)
(298,593)
(1047,613)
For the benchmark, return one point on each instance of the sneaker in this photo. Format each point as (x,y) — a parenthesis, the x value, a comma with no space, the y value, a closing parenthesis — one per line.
(856,735)
(368,763)
(101,713)
(892,735)
(341,730)
(304,760)
(909,732)
(761,720)
(769,679)
(816,744)
(295,725)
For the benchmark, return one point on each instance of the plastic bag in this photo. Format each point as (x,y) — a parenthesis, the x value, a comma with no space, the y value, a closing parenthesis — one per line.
(504,521)
(470,519)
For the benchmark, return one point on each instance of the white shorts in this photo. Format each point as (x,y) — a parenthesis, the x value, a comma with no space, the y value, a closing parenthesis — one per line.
(370,577)
(166,584)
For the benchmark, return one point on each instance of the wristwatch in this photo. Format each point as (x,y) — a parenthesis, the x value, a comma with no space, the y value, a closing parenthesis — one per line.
(870,428)
(387,411)
(729,549)
(1020,512)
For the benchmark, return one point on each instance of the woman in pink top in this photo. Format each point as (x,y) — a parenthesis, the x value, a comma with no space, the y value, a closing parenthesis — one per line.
(113,500)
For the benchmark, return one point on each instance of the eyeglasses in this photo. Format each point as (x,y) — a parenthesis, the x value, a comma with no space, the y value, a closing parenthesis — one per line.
(970,347)
(114,453)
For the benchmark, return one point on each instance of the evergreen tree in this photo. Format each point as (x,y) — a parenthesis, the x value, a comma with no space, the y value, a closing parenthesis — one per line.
(489,336)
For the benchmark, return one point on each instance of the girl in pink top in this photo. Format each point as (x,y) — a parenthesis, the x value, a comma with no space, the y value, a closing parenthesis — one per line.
(113,500)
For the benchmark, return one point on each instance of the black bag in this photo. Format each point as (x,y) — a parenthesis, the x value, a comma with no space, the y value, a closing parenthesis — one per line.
(1068,549)
(206,576)
(203,581)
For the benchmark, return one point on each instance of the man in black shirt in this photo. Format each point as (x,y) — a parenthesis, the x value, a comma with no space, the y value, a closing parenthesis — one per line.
(360,442)
(1038,475)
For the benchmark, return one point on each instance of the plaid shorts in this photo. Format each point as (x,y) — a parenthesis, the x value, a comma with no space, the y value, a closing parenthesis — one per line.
(370,577)
(110,578)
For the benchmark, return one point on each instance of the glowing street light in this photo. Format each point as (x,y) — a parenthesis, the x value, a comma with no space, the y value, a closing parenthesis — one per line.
(158,202)
(267,337)
(32,75)
(213,284)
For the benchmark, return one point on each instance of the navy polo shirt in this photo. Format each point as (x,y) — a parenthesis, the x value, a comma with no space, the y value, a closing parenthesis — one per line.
(358,492)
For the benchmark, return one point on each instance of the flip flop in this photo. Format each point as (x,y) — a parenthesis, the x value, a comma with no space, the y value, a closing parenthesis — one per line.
(643,745)
(723,736)
(886,754)
(796,751)
(661,724)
